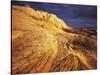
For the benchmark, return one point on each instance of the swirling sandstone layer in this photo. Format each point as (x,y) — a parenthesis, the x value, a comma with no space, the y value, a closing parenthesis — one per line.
(42,42)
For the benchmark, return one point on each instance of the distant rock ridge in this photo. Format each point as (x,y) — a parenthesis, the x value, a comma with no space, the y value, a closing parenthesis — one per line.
(42,42)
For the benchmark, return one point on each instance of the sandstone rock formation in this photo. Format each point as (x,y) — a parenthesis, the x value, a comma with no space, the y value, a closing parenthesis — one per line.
(42,42)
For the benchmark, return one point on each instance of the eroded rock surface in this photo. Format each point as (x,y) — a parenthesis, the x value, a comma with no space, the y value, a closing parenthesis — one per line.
(42,42)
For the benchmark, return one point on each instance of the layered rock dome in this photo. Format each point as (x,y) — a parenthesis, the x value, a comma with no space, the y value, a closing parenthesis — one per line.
(42,42)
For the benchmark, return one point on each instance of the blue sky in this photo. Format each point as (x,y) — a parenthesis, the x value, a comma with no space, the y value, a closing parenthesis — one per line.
(77,16)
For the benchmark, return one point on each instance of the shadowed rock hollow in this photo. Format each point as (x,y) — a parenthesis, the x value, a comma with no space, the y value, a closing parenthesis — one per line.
(42,42)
